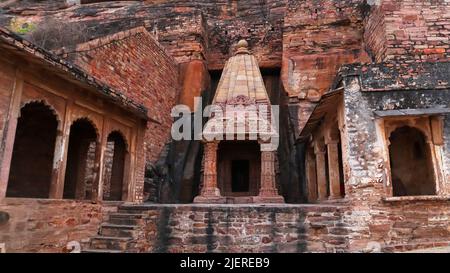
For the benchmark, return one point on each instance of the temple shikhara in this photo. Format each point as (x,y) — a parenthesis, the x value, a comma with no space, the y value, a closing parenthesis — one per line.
(324,126)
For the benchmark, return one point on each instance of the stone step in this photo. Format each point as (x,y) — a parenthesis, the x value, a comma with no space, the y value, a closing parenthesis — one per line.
(114,230)
(88,250)
(431,250)
(125,218)
(132,209)
(110,243)
(417,246)
(240,200)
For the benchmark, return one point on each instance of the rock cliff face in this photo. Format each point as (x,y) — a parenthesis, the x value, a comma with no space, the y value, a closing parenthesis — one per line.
(183,27)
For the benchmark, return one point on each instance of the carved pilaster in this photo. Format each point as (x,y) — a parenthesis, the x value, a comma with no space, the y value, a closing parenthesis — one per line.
(210,193)
(319,151)
(268,192)
(333,169)
(311,175)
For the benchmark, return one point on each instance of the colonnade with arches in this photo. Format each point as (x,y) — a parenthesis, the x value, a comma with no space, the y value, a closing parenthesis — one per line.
(58,147)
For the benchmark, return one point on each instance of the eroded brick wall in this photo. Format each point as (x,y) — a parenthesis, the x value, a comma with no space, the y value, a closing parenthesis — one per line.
(221,228)
(405,30)
(133,62)
(39,225)
(400,226)
(385,227)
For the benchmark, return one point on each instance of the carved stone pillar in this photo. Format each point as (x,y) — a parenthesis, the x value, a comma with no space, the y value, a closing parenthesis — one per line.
(210,193)
(268,192)
(311,175)
(333,169)
(319,150)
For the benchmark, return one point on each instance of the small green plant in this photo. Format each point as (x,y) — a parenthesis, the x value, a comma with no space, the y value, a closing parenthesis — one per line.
(21,26)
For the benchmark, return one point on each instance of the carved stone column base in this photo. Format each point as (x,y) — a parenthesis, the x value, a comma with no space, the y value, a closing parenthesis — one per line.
(268,199)
(334,197)
(210,199)
(210,196)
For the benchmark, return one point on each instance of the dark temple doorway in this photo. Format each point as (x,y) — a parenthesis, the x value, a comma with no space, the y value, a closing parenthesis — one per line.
(239,168)
(240,174)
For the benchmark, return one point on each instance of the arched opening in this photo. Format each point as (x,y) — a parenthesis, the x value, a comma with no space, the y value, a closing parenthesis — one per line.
(80,168)
(114,158)
(32,159)
(411,165)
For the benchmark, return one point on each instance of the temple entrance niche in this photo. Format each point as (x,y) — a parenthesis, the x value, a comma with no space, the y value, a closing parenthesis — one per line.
(240,137)
(80,168)
(32,159)
(239,166)
(411,163)
(114,160)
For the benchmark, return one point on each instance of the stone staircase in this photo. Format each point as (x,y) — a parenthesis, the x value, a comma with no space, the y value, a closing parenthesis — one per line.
(118,234)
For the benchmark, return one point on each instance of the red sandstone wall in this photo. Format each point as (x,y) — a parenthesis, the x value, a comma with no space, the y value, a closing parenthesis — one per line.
(409,30)
(39,225)
(318,37)
(134,63)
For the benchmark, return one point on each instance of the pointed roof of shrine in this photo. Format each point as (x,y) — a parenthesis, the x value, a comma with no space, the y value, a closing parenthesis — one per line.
(241,79)
(241,85)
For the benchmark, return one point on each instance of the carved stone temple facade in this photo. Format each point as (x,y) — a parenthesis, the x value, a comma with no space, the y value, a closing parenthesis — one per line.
(325,126)
(239,140)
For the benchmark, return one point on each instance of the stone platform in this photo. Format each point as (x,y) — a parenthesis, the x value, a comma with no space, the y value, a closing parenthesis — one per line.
(224,228)
(270,228)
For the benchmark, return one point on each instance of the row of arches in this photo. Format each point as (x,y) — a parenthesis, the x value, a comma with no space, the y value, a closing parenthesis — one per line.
(32,169)
(410,165)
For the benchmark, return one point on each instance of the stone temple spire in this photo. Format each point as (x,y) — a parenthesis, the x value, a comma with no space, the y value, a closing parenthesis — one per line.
(241,79)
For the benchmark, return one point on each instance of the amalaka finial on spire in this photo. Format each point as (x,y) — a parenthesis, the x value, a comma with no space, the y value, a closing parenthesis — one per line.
(242,47)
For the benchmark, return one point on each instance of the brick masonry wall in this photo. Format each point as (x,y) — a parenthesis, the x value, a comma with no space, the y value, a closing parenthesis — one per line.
(48,225)
(133,62)
(411,29)
(385,227)
(39,225)
(186,228)
(375,34)
(400,226)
